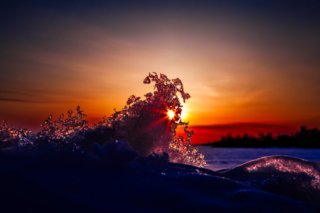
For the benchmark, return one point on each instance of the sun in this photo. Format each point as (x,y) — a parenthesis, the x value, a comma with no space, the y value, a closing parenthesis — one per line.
(170,114)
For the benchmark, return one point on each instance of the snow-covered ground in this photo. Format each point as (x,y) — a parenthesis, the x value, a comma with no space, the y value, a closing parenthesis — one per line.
(112,178)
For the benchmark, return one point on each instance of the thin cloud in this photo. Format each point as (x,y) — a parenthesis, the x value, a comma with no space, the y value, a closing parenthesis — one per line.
(237,125)
(17,100)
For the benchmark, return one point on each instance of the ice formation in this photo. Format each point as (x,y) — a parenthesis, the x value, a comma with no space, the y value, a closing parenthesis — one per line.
(143,123)
(284,175)
(287,165)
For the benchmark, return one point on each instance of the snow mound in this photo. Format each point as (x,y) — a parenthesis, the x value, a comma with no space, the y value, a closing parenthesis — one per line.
(281,174)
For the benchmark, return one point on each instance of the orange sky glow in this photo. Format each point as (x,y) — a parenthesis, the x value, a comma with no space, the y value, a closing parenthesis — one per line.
(238,68)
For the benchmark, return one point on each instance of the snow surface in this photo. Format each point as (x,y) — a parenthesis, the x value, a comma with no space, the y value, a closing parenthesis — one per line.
(113,178)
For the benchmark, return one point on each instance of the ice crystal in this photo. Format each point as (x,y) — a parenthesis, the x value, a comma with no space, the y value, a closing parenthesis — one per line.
(14,136)
(142,122)
(64,129)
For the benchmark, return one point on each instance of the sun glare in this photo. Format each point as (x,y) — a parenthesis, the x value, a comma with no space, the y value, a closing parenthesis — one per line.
(170,114)
(184,112)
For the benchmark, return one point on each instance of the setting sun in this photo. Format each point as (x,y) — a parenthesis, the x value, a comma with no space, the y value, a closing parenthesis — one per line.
(170,114)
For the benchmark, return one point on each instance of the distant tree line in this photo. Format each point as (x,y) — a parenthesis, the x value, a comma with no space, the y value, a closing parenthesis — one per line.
(304,138)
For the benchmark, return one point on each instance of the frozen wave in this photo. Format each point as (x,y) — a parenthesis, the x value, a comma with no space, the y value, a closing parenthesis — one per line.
(281,174)
(143,123)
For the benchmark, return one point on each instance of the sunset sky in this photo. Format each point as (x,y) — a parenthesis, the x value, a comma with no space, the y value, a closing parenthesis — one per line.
(243,62)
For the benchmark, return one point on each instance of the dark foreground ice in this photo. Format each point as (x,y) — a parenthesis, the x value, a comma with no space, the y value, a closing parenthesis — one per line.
(112,178)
